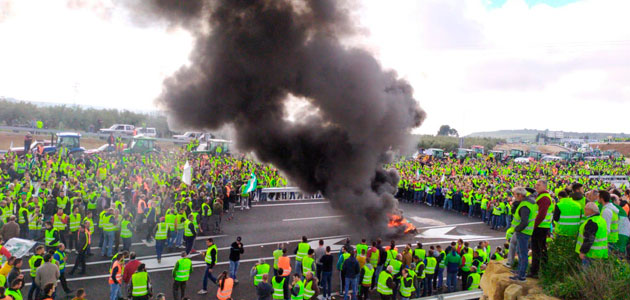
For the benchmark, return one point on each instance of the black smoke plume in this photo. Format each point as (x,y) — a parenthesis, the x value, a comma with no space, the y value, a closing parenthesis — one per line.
(249,56)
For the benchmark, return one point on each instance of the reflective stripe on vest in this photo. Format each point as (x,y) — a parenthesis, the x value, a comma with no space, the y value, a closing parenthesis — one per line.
(183,269)
(161,232)
(124,229)
(431,263)
(302,251)
(278,288)
(382,287)
(208,254)
(140,282)
(599,249)
(260,271)
(476,278)
(546,223)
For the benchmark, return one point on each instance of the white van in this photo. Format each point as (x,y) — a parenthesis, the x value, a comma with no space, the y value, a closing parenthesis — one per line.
(149,131)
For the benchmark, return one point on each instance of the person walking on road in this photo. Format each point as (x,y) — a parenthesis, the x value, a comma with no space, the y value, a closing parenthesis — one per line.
(48,273)
(524,217)
(140,287)
(60,260)
(161,233)
(115,278)
(542,226)
(181,274)
(236,249)
(210,259)
(190,234)
(83,243)
(34,262)
(327,267)
(225,284)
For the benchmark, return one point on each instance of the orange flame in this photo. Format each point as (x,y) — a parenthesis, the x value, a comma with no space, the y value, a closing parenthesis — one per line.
(397,221)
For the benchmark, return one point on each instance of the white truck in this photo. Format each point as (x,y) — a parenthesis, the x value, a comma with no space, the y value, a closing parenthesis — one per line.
(119,129)
(189,135)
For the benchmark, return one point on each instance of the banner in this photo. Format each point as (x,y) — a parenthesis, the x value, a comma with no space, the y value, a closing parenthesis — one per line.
(187,175)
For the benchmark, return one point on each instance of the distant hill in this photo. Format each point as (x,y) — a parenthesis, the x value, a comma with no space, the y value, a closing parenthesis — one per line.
(530,134)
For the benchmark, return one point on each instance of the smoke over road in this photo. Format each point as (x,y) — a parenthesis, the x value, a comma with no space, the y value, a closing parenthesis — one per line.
(249,56)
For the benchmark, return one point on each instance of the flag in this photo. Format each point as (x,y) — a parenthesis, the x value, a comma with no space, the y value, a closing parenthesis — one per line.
(443,177)
(251,184)
(187,175)
(417,173)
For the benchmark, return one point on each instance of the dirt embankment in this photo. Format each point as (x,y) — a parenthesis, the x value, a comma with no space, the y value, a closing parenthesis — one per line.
(623,148)
(545,149)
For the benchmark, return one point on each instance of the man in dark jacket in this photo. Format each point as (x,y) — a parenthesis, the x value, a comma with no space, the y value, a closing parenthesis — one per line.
(351,270)
(236,249)
(522,238)
(264,289)
(82,246)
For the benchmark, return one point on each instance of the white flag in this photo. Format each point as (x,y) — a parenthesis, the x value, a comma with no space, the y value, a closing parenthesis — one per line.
(443,177)
(187,175)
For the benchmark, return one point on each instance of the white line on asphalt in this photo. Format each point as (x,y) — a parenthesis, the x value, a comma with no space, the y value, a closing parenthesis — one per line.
(311,218)
(220,249)
(290,204)
(450,225)
(197,238)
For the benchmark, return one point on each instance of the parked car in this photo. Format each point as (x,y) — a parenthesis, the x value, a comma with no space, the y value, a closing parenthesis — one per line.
(105,148)
(189,135)
(20,150)
(148,131)
(118,129)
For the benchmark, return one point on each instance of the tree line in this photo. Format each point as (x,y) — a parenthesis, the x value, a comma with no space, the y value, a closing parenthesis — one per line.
(74,117)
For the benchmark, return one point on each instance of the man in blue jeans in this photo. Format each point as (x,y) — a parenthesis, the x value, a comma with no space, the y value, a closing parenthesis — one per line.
(525,215)
(236,249)
(453,261)
(210,257)
(351,272)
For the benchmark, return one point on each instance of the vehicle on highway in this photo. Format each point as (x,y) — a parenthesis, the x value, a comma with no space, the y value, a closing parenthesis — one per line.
(188,135)
(479,149)
(214,147)
(463,153)
(435,152)
(548,158)
(105,148)
(20,150)
(516,153)
(536,155)
(522,160)
(147,131)
(141,144)
(68,141)
(498,155)
(118,129)
(565,155)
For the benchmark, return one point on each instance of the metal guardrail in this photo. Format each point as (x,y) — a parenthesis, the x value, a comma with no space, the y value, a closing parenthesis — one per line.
(463,295)
(285,193)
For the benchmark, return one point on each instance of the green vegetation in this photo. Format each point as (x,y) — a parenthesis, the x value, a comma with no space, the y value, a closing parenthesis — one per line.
(452,143)
(75,117)
(564,276)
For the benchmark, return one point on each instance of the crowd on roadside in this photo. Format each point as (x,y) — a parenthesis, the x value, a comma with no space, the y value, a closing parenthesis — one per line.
(61,201)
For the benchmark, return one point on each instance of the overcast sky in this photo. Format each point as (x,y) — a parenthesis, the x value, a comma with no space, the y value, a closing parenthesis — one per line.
(476,65)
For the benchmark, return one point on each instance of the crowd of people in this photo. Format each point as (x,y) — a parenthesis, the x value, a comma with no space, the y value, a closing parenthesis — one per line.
(61,201)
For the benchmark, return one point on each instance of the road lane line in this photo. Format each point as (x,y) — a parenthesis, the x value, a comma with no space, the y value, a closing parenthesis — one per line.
(450,225)
(177,253)
(196,239)
(311,218)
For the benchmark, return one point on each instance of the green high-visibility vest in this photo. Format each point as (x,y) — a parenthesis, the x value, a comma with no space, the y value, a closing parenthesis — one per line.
(406,286)
(86,219)
(140,282)
(570,217)
(300,295)
(368,270)
(276,255)
(391,254)
(420,253)
(417,270)
(374,258)
(302,251)
(362,247)
(476,278)
(182,273)
(599,249)
(101,219)
(34,224)
(307,265)
(162,230)
(308,289)
(170,220)
(187,231)
(533,209)
(613,236)
(260,271)
(62,260)
(382,287)
(124,229)
(50,236)
(75,222)
(431,263)
(442,264)
(107,224)
(469,261)
(57,223)
(278,288)
(396,264)
(498,256)
(31,264)
(181,220)
(546,223)
(344,256)
(16,294)
(208,256)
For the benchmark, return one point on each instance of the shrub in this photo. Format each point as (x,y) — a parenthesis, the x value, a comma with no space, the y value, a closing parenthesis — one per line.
(564,276)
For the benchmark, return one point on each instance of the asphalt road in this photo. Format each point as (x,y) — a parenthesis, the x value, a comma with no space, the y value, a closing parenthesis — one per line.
(266,225)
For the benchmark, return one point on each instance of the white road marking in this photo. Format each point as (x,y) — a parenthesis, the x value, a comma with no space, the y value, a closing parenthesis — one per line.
(449,225)
(177,253)
(311,218)
(442,233)
(291,204)
(153,243)
(427,221)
